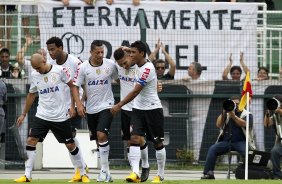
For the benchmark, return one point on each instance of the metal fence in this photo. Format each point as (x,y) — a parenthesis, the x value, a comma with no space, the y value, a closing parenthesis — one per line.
(190,107)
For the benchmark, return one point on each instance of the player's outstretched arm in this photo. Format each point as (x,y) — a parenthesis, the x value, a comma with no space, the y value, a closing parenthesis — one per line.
(127,99)
(29,101)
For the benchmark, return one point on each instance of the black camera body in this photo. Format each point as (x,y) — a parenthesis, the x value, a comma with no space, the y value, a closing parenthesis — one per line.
(272,104)
(229,105)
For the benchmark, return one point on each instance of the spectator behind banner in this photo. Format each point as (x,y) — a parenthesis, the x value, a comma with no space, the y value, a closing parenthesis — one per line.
(194,72)
(160,63)
(6,67)
(235,71)
(262,74)
(271,116)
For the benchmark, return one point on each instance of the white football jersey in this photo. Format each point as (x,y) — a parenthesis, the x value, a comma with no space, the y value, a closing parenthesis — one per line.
(51,89)
(127,80)
(71,66)
(148,97)
(98,84)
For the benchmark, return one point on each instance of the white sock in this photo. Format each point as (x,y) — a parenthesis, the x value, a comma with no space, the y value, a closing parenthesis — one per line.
(31,153)
(76,142)
(71,157)
(161,158)
(104,149)
(128,157)
(78,160)
(72,161)
(135,155)
(144,156)
(98,157)
(77,145)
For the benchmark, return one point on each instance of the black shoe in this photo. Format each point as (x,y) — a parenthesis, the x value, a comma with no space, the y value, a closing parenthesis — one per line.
(145,174)
(207,177)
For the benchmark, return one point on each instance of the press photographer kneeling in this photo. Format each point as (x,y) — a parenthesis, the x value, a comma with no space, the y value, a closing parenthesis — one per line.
(273,118)
(232,124)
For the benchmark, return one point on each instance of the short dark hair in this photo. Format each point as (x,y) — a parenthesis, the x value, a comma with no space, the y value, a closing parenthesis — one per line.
(56,40)
(263,68)
(159,61)
(118,54)
(96,43)
(5,50)
(140,46)
(235,67)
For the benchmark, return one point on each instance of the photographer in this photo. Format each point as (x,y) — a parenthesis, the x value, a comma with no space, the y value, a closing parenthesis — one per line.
(232,124)
(272,117)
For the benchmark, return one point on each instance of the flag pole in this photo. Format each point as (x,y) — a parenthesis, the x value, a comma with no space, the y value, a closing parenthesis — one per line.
(247,139)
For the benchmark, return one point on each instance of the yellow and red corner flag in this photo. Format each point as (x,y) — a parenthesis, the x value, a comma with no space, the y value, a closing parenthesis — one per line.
(246,89)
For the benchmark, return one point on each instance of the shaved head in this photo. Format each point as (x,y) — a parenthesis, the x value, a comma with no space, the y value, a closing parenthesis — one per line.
(36,59)
(38,63)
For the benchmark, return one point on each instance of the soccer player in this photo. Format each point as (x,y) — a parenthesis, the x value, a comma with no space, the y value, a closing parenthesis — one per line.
(127,79)
(147,117)
(52,113)
(96,75)
(70,63)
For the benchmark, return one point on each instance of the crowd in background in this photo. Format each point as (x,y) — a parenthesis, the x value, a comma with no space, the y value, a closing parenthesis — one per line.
(14,70)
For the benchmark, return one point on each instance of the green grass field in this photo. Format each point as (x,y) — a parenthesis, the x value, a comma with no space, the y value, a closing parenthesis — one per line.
(167,182)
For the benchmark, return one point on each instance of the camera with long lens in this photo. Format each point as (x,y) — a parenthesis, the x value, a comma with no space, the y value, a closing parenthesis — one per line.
(272,104)
(229,105)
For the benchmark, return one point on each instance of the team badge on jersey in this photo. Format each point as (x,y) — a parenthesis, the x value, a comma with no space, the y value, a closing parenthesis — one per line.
(126,72)
(107,70)
(46,79)
(53,78)
(98,71)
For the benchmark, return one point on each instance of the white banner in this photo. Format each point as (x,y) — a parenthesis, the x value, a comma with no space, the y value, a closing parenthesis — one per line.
(206,32)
